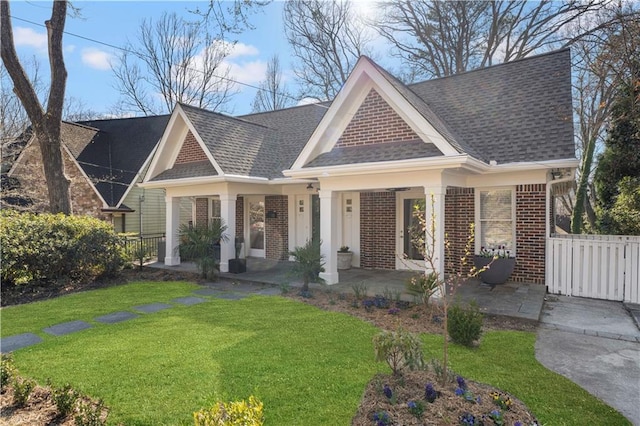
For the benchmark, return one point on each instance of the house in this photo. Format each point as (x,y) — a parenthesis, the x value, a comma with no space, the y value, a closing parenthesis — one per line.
(485,147)
(104,159)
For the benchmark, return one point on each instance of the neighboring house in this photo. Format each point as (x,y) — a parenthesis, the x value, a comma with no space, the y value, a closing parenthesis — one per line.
(104,159)
(487,146)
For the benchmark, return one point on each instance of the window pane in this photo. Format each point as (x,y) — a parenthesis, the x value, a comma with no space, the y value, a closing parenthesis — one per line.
(495,205)
(496,234)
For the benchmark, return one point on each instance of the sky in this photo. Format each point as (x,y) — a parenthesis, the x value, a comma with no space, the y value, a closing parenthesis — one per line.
(90,78)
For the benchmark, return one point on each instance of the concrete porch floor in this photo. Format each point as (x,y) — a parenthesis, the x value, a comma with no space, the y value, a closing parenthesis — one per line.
(519,300)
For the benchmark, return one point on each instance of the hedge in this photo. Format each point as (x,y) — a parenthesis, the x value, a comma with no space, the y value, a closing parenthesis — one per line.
(44,248)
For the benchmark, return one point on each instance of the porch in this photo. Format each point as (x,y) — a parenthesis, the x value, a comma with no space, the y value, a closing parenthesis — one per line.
(518,300)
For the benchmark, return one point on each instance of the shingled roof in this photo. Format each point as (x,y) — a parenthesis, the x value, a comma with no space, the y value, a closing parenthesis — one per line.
(520,111)
(117,152)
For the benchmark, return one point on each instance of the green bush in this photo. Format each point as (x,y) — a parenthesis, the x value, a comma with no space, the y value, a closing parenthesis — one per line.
(46,248)
(399,349)
(22,389)
(7,370)
(65,399)
(198,243)
(91,414)
(308,263)
(236,413)
(465,324)
(423,286)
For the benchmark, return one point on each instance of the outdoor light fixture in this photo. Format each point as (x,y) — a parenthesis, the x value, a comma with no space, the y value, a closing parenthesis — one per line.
(310,187)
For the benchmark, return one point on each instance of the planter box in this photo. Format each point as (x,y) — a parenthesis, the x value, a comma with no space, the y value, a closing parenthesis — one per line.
(499,271)
(237,266)
(344,260)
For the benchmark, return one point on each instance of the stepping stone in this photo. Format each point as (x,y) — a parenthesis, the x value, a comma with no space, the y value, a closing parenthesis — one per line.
(189,300)
(116,317)
(152,307)
(66,328)
(231,296)
(270,291)
(19,341)
(207,292)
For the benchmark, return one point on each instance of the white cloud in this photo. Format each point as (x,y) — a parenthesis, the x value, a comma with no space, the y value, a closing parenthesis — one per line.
(241,49)
(96,58)
(23,36)
(247,72)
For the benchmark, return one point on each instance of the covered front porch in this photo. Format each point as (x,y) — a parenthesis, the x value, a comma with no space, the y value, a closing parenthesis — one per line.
(518,300)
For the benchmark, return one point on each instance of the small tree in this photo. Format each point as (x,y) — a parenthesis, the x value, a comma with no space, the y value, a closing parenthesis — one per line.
(198,243)
(308,263)
(423,237)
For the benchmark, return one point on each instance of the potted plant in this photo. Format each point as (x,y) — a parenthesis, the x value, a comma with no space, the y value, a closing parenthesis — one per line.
(344,258)
(499,264)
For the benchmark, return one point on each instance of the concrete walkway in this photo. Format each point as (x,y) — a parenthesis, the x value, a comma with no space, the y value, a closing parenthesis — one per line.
(596,344)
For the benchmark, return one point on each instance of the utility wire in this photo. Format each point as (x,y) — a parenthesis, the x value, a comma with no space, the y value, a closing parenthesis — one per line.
(143,56)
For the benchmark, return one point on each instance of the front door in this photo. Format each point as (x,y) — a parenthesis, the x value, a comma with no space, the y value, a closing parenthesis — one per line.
(255,221)
(407,225)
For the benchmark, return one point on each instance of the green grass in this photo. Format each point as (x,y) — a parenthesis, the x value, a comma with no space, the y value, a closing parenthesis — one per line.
(87,305)
(506,360)
(308,366)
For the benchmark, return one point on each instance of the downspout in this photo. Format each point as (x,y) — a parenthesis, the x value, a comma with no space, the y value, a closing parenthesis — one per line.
(547,220)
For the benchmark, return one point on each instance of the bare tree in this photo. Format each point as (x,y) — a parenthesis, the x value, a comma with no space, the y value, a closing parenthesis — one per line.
(273,93)
(327,40)
(46,124)
(440,38)
(177,59)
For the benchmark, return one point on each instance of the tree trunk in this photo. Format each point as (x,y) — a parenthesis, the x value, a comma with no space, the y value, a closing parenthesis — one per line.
(46,125)
(581,192)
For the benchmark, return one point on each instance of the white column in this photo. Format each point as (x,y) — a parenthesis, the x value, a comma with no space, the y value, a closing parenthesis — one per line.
(228,215)
(329,235)
(435,208)
(172,256)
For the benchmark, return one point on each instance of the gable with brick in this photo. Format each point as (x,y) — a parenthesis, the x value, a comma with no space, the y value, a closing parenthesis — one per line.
(483,147)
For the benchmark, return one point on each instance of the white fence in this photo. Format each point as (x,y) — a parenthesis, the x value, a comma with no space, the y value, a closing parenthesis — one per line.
(596,266)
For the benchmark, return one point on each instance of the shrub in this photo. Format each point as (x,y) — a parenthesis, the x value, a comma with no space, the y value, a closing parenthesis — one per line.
(198,243)
(22,390)
(399,349)
(91,414)
(423,286)
(65,399)
(7,370)
(45,248)
(308,263)
(236,413)
(465,324)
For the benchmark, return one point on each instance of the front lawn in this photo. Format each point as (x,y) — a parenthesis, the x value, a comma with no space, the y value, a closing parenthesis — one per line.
(307,365)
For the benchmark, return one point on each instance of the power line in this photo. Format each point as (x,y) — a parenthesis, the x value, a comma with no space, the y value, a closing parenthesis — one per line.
(141,55)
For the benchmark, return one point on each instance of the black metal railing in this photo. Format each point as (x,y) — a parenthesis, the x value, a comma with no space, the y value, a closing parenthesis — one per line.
(144,246)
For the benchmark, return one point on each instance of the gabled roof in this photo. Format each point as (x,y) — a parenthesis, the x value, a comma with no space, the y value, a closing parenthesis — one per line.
(520,111)
(114,156)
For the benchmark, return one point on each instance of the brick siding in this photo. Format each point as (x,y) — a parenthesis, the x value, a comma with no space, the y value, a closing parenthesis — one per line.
(190,151)
(530,234)
(277,228)
(375,122)
(202,212)
(459,206)
(378,230)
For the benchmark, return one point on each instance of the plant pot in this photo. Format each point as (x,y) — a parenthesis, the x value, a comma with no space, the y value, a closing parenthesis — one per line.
(499,271)
(344,260)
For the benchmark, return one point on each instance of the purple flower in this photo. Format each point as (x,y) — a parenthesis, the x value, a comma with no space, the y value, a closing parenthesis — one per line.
(387,391)
(459,391)
(430,393)
(517,423)
(411,404)
(461,383)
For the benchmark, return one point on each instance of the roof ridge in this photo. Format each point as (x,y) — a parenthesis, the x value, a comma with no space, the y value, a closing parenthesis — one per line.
(318,104)
(123,118)
(223,116)
(491,67)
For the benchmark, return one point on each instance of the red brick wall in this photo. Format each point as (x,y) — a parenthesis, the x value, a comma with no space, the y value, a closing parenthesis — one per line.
(276,229)
(378,230)
(190,151)
(375,122)
(202,212)
(239,217)
(459,206)
(530,234)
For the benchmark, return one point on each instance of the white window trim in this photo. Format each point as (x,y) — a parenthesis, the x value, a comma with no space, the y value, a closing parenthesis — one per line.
(478,221)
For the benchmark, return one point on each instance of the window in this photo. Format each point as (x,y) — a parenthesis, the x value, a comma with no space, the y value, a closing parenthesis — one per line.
(495,219)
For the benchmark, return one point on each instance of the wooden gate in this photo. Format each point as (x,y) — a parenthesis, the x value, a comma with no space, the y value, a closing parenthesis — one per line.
(596,266)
